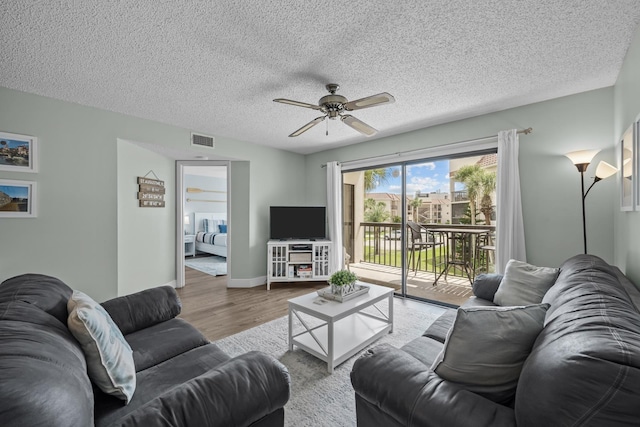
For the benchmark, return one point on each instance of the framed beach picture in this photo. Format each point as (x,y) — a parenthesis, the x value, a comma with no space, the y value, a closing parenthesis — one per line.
(17,199)
(18,153)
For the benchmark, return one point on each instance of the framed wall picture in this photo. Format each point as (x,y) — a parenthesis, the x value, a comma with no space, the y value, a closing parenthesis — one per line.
(17,199)
(18,153)
(627,169)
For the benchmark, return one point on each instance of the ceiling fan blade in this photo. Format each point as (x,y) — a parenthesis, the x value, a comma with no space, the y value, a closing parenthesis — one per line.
(298,104)
(358,125)
(308,126)
(370,101)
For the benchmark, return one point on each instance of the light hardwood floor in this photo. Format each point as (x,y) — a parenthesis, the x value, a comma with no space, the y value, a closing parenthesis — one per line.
(218,312)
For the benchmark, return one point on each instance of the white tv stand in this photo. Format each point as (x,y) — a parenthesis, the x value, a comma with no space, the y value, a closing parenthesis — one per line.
(298,260)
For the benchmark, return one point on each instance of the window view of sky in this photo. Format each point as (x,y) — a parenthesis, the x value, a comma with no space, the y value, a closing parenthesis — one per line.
(423,177)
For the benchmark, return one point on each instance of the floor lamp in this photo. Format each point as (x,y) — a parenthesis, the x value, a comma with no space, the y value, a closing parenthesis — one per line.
(582,159)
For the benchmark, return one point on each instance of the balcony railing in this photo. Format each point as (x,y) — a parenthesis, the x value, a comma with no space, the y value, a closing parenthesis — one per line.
(460,196)
(382,245)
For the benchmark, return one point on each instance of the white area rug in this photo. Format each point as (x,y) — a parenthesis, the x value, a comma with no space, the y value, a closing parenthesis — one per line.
(213,265)
(317,397)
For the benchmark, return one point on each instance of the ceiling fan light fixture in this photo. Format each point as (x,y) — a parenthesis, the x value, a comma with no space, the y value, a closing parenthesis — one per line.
(334,105)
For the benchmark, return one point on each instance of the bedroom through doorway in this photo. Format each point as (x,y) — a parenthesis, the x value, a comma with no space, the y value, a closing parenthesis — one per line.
(204,196)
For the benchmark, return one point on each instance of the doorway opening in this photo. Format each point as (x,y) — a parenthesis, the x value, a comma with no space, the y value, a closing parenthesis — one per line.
(202,217)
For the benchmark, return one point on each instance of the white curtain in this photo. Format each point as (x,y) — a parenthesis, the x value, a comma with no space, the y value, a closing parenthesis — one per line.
(510,225)
(334,213)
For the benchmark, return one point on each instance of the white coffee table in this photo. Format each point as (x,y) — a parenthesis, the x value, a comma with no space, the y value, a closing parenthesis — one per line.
(346,329)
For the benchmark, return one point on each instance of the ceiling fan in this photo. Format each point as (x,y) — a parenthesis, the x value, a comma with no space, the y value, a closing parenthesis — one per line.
(333,106)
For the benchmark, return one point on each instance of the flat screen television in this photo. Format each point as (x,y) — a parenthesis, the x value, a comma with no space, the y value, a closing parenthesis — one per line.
(297,222)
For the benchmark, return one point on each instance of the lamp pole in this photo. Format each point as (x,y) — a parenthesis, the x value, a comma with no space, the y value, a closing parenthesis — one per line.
(584,216)
(582,167)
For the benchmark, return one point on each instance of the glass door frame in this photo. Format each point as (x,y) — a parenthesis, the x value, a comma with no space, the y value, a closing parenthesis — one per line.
(403,165)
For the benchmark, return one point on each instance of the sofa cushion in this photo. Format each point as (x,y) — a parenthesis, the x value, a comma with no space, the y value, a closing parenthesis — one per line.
(486,347)
(424,349)
(439,329)
(45,292)
(109,357)
(485,285)
(43,375)
(163,341)
(524,284)
(159,379)
(146,308)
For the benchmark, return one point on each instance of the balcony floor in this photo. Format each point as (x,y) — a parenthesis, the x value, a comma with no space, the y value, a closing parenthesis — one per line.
(455,290)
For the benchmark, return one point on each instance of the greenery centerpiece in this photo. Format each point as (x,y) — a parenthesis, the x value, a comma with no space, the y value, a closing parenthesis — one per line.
(343,282)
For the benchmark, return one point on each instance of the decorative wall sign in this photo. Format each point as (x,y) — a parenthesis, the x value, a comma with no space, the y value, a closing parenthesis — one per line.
(18,153)
(150,192)
(17,199)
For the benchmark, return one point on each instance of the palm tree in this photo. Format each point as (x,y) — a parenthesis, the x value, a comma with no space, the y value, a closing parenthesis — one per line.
(488,180)
(415,204)
(375,212)
(478,181)
(374,177)
(469,175)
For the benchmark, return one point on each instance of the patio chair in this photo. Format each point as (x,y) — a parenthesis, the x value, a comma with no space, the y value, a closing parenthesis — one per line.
(417,243)
(485,245)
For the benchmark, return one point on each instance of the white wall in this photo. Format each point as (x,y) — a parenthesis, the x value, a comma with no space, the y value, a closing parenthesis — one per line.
(549,181)
(627,108)
(194,203)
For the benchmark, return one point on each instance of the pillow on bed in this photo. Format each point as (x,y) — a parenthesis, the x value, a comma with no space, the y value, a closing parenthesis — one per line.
(222,228)
(211,225)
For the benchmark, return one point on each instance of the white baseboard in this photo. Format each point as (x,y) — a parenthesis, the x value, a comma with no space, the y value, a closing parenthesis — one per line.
(247,283)
(172,283)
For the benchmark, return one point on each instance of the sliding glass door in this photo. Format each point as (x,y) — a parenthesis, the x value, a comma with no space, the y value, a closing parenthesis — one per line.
(425,227)
(375,231)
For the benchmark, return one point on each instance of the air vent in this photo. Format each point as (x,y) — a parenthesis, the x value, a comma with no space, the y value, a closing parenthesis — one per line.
(203,140)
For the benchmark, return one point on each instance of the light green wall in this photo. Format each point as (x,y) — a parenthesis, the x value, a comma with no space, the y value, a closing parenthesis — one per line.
(627,108)
(75,236)
(550,183)
(144,234)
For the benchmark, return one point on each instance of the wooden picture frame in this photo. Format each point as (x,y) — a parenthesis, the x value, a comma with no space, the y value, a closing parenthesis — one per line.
(18,153)
(17,199)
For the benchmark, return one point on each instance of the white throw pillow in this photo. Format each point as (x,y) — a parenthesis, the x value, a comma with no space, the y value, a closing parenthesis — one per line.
(109,356)
(524,284)
(486,347)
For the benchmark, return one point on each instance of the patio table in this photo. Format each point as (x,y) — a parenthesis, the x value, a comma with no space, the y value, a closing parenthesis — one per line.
(462,235)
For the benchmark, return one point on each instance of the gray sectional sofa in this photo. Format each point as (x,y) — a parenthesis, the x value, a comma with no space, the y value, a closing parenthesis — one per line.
(182,379)
(583,368)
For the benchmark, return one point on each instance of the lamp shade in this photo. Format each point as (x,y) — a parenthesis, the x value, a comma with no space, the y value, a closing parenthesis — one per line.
(582,156)
(605,170)
(186,220)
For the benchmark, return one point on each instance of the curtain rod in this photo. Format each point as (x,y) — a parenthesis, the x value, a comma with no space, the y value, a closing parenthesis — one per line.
(526,131)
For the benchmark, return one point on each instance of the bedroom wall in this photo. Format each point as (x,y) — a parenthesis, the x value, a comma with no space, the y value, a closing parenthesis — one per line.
(146,236)
(627,109)
(204,183)
(75,236)
(550,183)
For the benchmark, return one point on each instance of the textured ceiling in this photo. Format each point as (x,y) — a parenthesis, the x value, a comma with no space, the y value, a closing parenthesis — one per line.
(215,67)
